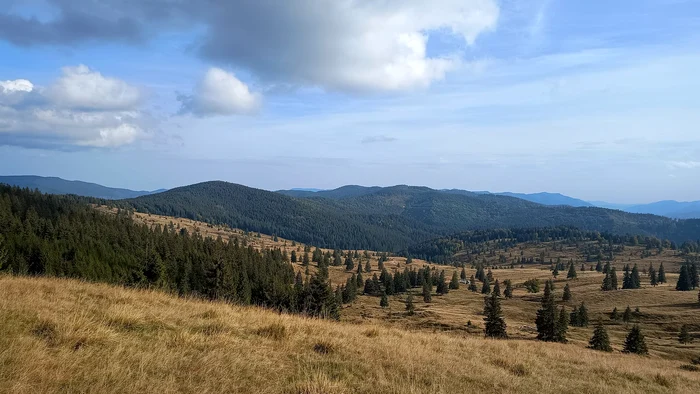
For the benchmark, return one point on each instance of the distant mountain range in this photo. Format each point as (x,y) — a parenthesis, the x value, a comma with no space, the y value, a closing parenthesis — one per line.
(53,185)
(671,209)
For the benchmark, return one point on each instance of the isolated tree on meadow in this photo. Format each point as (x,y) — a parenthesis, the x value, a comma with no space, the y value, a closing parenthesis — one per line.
(615,314)
(562,326)
(572,272)
(368,267)
(508,292)
(349,263)
(661,275)
(427,297)
(497,289)
(463,274)
(567,293)
(454,283)
(472,285)
(627,315)
(546,320)
(494,324)
(582,318)
(600,339)
(486,287)
(635,343)
(653,280)
(684,283)
(384,301)
(410,308)
(684,335)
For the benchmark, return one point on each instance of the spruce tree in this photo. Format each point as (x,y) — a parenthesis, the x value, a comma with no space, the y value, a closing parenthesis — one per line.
(508,292)
(567,293)
(572,272)
(626,278)
(613,279)
(582,319)
(472,285)
(555,272)
(573,317)
(694,275)
(615,314)
(349,263)
(661,274)
(684,335)
(546,320)
(635,280)
(600,339)
(384,301)
(599,267)
(684,283)
(410,308)
(427,297)
(495,325)
(627,315)
(652,277)
(486,287)
(454,283)
(634,343)
(562,326)
(463,274)
(322,299)
(368,267)
(497,289)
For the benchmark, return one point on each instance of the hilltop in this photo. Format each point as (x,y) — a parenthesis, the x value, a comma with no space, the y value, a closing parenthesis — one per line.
(54,185)
(65,335)
(389,218)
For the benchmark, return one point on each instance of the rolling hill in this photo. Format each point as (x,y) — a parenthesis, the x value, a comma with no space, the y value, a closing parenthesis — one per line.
(390,218)
(53,185)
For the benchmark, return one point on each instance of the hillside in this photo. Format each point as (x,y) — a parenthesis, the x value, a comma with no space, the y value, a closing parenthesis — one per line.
(55,185)
(549,199)
(673,209)
(389,218)
(66,336)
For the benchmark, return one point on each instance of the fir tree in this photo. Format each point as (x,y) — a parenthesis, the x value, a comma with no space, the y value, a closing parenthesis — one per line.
(349,264)
(582,320)
(661,274)
(652,277)
(635,280)
(497,289)
(441,287)
(472,285)
(410,308)
(384,301)
(694,275)
(305,260)
(486,287)
(572,272)
(508,292)
(495,326)
(294,256)
(555,272)
(322,300)
(546,320)
(613,279)
(463,274)
(684,335)
(368,267)
(359,267)
(599,267)
(600,339)
(684,283)
(634,343)
(454,283)
(567,293)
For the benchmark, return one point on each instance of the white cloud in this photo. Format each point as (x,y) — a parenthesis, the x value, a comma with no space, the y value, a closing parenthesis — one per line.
(81,109)
(80,87)
(220,93)
(684,164)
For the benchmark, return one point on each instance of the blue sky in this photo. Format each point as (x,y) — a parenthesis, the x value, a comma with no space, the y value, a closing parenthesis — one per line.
(598,100)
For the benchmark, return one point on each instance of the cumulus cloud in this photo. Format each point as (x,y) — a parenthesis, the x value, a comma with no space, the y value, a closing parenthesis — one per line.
(350,45)
(80,87)
(81,109)
(220,93)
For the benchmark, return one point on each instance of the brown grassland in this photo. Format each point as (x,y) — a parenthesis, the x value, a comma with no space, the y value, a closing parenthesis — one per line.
(61,335)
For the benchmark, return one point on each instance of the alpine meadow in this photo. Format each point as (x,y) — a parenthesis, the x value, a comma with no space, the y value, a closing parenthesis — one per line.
(336,197)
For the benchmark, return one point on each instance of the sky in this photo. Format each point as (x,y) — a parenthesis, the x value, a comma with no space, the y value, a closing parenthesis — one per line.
(595,99)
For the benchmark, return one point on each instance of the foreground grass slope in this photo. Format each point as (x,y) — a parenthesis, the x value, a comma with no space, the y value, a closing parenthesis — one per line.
(66,336)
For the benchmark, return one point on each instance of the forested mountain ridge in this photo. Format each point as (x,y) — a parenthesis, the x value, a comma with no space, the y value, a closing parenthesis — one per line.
(391,218)
(53,185)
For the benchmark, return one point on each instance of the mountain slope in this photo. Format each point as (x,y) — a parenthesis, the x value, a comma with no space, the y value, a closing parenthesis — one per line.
(669,208)
(62,335)
(549,199)
(53,185)
(390,218)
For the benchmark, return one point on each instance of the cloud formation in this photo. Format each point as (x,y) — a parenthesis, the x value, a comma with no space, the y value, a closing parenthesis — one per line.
(353,45)
(220,93)
(81,109)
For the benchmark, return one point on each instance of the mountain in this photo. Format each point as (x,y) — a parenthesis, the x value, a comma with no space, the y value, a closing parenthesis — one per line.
(389,218)
(53,185)
(669,208)
(549,199)
(339,193)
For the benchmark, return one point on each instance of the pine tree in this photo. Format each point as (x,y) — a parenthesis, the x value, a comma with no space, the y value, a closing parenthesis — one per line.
(454,283)
(497,289)
(694,275)
(486,287)
(626,279)
(599,267)
(441,287)
(323,301)
(684,335)
(635,280)
(463,274)
(661,274)
(634,343)
(384,301)
(572,272)
(546,320)
(613,279)
(627,315)
(562,326)
(508,292)
(567,293)
(652,277)
(427,297)
(305,260)
(359,267)
(600,339)
(368,267)
(294,256)
(495,325)
(349,264)
(410,308)
(573,317)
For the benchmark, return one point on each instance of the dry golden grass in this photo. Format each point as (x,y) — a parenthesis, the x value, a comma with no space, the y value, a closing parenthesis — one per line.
(62,335)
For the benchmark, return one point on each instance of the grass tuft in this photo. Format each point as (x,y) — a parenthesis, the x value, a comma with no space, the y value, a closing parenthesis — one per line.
(47,331)
(275,331)
(324,347)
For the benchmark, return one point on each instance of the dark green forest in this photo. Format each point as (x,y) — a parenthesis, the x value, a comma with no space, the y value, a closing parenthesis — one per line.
(392,218)
(64,236)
